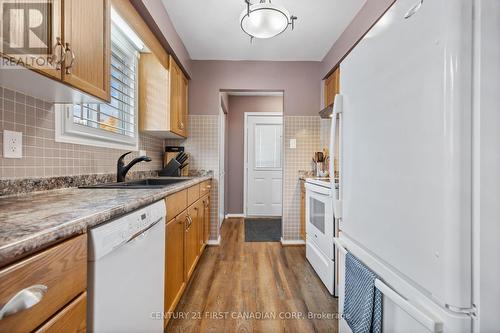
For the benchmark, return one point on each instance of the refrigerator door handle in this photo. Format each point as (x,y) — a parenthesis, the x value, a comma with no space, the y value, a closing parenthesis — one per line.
(430,323)
(338,107)
(433,325)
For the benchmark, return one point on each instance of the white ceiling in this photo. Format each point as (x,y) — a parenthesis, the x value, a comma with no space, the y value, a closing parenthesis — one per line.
(210,29)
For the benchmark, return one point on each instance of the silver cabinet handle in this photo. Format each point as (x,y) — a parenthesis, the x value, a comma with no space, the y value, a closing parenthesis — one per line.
(73,57)
(57,59)
(24,300)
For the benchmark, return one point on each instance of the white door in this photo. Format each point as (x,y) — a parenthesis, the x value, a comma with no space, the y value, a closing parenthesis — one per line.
(264,165)
(222,165)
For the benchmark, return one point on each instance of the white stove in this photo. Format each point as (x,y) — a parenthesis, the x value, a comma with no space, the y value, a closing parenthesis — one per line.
(321,229)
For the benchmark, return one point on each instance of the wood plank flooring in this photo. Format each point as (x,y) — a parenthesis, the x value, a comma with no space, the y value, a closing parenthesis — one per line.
(254,287)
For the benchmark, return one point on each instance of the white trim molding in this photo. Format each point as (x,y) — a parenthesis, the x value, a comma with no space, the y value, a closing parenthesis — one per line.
(214,242)
(292,242)
(233,216)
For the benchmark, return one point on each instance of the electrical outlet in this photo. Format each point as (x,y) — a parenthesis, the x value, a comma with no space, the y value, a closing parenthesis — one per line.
(293,143)
(12,144)
(142,153)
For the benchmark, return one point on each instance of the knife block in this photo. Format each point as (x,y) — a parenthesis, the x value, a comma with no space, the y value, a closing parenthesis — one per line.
(169,156)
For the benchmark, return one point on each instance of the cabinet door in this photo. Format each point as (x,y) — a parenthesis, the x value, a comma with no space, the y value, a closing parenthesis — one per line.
(87,28)
(153,94)
(70,319)
(174,266)
(174,71)
(332,87)
(32,31)
(191,240)
(178,89)
(206,221)
(302,210)
(201,225)
(183,106)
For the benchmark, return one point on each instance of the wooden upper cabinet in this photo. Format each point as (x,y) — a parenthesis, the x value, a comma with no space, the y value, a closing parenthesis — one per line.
(332,87)
(38,49)
(178,100)
(163,97)
(87,41)
(153,94)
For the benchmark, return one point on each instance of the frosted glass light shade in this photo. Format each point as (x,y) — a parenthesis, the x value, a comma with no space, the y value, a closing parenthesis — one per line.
(265,20)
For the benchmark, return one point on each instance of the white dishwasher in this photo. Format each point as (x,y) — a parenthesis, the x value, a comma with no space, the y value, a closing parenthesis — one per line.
(126,268)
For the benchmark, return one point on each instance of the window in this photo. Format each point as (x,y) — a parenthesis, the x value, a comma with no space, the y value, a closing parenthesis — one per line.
(114,124)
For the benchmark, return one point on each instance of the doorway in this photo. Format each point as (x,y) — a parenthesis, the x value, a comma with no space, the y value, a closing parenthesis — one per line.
(222,165)
(263,153)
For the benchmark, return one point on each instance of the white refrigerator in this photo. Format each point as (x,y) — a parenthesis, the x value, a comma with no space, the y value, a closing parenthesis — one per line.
(415,93)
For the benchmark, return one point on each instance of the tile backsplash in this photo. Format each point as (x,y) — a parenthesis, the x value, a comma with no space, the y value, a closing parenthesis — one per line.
(306,130)
(43,157)
(203,148)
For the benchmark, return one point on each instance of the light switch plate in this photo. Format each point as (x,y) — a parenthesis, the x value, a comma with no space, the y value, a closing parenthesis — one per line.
(12,144)
(142,153)
(293,143)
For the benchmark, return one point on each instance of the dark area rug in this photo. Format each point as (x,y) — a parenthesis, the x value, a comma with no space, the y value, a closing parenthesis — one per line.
(263,230)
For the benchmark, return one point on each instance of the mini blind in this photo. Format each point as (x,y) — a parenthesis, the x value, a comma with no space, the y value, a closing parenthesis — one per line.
(119,116)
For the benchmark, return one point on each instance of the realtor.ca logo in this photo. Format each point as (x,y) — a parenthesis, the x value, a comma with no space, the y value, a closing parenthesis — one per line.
(26,32)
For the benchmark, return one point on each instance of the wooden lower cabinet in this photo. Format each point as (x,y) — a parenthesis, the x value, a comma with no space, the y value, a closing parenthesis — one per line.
(302,209)
(191,245)
(200,204)
(186,236)
(206,219)
(71,319)
(174,265)
(58,274)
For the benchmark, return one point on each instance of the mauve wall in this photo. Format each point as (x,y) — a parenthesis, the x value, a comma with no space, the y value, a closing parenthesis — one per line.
(238,105)
(299,81)
(366,17)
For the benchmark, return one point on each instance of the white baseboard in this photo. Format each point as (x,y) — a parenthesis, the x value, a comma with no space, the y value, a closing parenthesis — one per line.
(213,242)
(228,216)
(292,242)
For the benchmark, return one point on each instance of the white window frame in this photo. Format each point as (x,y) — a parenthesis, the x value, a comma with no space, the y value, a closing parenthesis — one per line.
(67,131)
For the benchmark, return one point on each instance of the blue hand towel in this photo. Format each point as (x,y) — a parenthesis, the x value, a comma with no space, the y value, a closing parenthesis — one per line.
(362,302)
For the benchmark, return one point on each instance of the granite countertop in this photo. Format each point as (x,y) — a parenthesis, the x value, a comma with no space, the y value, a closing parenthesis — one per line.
(31,222)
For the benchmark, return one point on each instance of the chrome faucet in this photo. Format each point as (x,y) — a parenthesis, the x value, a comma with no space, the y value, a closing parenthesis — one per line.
(122,169)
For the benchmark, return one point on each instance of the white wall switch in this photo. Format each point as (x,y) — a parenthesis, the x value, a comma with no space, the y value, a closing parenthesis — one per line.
(12,144)
(293,143)
(142,153)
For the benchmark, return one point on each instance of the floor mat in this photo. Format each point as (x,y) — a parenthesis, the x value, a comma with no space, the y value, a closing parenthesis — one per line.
(263,230)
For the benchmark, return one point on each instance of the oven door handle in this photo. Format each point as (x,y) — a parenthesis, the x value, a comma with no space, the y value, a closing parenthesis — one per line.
(318,189)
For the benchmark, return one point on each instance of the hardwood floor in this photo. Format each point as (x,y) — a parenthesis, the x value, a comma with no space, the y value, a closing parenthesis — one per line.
(254,287)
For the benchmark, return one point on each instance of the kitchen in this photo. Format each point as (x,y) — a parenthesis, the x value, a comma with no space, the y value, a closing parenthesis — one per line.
(95,239)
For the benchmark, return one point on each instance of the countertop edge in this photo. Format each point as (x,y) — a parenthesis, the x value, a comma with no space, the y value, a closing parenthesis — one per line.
(17,250)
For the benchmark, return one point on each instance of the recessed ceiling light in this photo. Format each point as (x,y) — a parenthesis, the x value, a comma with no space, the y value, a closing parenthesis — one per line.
(265,20)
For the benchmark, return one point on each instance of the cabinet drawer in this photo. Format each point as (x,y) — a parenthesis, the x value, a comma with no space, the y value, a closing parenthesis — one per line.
(60,271)
(71,319)
(193,194)
(176,203)
(205,187)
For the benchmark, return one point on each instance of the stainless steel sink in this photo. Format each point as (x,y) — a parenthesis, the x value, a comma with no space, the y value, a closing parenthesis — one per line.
(149,183)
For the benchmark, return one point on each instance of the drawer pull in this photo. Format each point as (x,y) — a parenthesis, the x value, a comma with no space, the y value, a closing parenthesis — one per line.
(23,300)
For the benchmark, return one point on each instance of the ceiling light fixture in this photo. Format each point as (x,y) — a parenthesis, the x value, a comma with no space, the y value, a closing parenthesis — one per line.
(265,20)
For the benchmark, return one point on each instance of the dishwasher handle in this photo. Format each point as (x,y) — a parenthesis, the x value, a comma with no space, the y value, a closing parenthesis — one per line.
(143,232)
